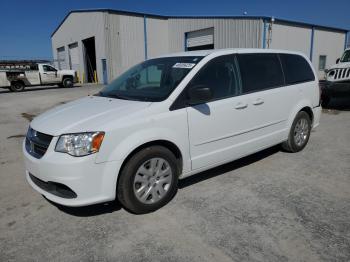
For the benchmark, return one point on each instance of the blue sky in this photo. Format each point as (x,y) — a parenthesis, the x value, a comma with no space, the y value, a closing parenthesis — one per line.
(26,25)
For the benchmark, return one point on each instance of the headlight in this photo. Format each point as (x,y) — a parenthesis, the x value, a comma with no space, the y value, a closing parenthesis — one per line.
(81,144)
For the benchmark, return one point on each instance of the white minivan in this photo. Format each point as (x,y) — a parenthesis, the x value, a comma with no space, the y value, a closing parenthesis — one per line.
(167,118)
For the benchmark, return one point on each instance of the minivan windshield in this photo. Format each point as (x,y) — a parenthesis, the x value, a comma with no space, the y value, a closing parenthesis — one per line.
(152,80)
(346,57)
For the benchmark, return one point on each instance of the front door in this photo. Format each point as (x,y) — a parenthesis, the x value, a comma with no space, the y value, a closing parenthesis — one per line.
(49,75)
(217,129)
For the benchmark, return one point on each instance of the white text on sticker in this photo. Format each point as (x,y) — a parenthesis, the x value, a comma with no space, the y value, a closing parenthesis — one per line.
(184,65)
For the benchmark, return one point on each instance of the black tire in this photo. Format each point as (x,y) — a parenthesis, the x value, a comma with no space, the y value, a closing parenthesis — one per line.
(126,183)
(292,144)
(17,86)
(67,82)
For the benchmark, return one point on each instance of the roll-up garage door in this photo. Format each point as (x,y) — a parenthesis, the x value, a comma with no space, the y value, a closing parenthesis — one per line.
(61,57)
(74,56)
(200,39)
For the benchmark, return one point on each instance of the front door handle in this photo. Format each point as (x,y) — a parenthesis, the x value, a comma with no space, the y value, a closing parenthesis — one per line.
(241,105)
(257,102)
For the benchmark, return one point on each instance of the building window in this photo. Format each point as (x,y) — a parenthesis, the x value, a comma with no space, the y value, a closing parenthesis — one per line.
(200,40)
(322,62)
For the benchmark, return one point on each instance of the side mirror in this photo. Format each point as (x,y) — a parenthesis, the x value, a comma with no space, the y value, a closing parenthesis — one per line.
(199,94)
(337,61)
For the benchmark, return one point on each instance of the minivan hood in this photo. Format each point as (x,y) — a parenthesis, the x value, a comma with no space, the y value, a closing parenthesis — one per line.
(86,114)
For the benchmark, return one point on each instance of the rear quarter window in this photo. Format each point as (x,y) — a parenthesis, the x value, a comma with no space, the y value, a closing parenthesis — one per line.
(296,69)
(260,72)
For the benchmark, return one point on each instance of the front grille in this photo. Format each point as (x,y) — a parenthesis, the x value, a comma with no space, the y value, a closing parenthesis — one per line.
(339,74)
(37,143)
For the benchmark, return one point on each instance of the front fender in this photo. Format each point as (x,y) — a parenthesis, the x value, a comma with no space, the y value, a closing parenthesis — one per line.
(138,139)
(119,144)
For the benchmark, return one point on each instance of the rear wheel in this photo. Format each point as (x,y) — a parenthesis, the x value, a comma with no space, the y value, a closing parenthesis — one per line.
(299,134)
(67,82)
(148,180)
(17,86)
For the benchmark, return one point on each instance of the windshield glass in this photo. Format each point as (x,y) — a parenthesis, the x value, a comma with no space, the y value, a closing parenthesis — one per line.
(346,57)
(152,80)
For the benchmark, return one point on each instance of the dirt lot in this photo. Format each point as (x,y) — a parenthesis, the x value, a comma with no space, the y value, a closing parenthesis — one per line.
(272,206)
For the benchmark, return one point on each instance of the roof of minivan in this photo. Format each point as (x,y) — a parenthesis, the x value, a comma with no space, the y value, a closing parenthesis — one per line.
(230,51)
(266,18)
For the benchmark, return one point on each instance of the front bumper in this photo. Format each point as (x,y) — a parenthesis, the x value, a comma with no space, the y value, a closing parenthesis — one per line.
(91,182)
(336,88)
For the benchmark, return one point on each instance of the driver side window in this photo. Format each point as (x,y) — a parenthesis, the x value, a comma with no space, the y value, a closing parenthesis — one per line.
(48,68)
(221,75)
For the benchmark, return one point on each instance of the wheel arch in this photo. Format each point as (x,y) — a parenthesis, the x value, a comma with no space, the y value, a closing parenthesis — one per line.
(64,77)
(309,111)
(67,76)
(17,81)
(161,142)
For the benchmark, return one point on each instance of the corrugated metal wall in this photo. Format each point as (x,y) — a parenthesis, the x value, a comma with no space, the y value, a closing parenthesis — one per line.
(126,37)
(228,33)
(120,38)
(157,37)
(79,26)
(327,43)
(131,38)
(288,37)
(125,43)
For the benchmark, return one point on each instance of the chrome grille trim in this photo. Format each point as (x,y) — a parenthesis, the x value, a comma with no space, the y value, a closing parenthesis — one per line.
(36,143)
(338,74)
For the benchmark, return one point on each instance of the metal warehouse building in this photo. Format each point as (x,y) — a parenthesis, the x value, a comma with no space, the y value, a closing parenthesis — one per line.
(101,44)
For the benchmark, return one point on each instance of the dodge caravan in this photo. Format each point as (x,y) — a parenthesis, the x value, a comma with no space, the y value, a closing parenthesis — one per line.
(168,118)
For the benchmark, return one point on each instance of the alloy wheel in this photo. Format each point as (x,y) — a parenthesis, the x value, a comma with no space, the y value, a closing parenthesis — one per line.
(152,180)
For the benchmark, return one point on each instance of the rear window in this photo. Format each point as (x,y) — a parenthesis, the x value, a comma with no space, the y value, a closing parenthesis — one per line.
(260,71)
(296,69)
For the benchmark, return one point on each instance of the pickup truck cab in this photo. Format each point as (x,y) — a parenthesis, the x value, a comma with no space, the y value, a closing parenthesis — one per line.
(17,78)
(337,79)
(168,118)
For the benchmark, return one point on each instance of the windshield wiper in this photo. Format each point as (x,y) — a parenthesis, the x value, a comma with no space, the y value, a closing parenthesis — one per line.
(112,96)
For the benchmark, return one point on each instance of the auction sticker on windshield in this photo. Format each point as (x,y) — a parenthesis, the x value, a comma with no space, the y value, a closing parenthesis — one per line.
(184,65)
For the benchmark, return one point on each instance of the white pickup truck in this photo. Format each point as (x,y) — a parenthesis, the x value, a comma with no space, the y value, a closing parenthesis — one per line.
(337,79)
(17,77)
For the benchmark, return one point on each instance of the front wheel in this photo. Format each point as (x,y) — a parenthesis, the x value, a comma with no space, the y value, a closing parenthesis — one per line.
(148,180)
(67,82)
(299,133)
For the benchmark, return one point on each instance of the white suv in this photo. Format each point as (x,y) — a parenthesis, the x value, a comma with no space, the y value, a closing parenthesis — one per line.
(168,118)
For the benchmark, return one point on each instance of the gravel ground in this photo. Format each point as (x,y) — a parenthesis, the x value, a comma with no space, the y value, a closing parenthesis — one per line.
(271,206)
